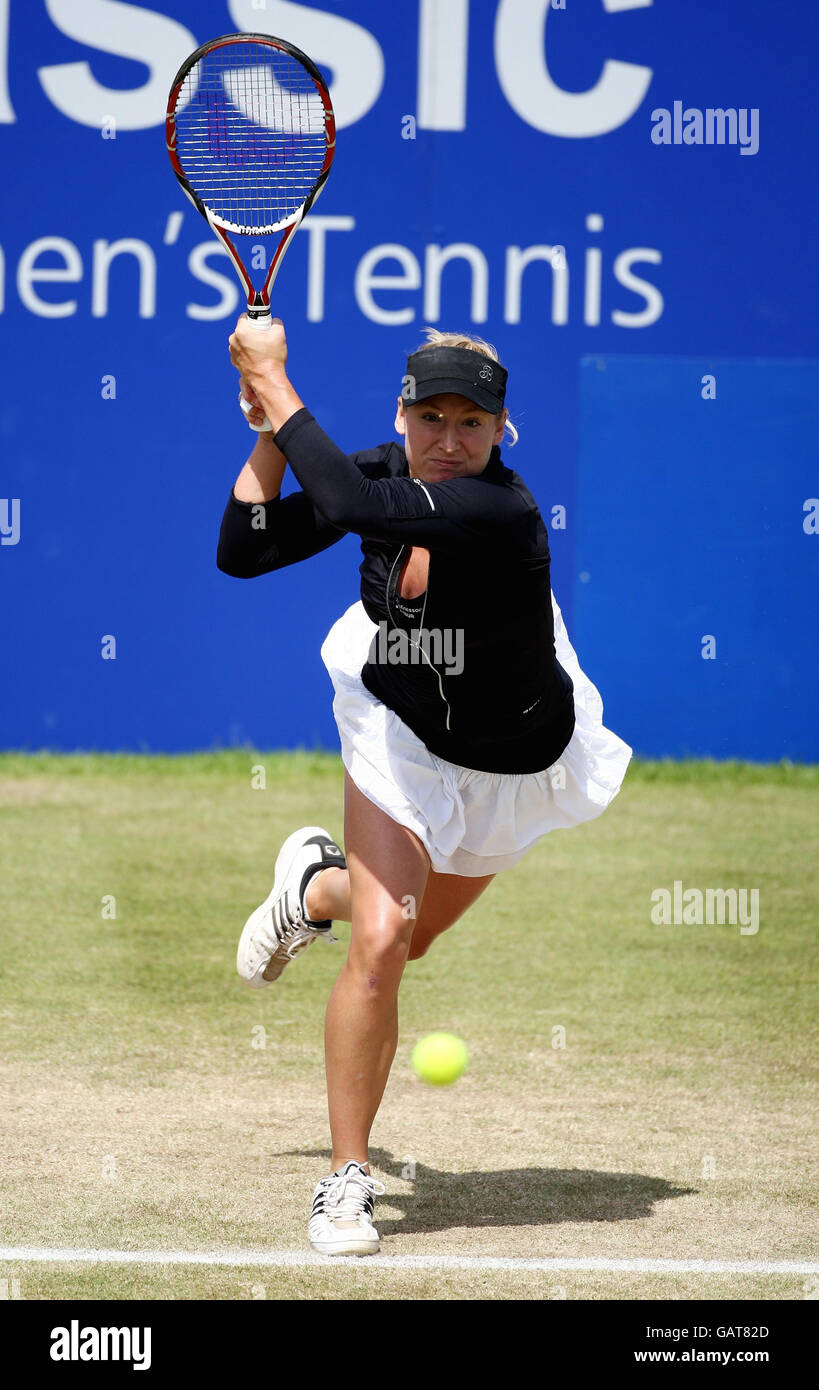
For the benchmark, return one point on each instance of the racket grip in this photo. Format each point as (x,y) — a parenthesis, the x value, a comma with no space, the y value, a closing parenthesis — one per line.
(261,324)
(247,407)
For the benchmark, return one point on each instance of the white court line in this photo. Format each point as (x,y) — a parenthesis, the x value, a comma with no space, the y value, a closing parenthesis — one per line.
(298,1259)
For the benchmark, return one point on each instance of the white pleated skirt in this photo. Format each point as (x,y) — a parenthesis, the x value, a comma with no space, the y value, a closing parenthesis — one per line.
(470,822)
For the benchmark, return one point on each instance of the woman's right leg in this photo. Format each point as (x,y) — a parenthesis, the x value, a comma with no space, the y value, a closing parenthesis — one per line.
(388,868)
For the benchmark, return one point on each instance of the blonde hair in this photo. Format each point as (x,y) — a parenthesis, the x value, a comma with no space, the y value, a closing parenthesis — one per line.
(435,338)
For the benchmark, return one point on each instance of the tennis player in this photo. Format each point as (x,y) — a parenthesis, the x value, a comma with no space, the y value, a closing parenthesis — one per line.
(468,730)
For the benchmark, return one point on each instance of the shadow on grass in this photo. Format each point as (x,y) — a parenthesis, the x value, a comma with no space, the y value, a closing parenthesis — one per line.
(433,1200)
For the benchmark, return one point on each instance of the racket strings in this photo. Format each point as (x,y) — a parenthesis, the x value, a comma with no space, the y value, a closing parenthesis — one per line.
(250,134)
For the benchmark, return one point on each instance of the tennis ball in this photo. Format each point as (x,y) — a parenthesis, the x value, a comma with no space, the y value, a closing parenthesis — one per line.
(439,1058)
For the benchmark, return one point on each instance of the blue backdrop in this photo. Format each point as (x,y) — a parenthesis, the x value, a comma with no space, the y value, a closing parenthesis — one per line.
(549,176)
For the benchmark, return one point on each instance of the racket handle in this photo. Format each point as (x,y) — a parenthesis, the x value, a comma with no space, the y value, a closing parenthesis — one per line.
(262,325)
(247,407)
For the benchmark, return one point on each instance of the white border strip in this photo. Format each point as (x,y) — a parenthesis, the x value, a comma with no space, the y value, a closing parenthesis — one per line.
(296,1259)
(423,489)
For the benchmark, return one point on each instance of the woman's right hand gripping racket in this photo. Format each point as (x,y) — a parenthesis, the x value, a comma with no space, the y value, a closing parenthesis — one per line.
(251,136)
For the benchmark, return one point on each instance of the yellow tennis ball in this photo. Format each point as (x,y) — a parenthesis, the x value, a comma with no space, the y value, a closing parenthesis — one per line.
(439,1058)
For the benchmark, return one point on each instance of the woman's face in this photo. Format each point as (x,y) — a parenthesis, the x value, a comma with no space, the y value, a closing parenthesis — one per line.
(447,437)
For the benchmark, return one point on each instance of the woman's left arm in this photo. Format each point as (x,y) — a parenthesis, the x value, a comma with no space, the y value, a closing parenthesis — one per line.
(261,357)
(447,514)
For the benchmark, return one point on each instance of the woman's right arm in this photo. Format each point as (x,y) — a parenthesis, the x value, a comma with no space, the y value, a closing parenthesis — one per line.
(261,478)
(260,531)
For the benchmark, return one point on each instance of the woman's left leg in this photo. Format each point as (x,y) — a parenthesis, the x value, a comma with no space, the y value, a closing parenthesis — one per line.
(388,868)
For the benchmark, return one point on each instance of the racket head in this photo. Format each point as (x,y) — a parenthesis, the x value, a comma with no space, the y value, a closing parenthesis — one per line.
(250,132)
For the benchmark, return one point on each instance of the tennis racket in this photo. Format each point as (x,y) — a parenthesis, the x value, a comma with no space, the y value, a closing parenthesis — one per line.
(251,136)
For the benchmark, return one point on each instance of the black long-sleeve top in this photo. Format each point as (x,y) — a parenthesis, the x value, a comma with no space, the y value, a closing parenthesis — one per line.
(511,708)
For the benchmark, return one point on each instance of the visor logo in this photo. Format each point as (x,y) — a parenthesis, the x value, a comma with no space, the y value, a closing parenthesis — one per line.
(485,373)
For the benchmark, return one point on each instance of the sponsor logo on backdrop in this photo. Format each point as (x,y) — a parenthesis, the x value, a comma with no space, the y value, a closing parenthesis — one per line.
(391,283)
(131,271)
(518,34)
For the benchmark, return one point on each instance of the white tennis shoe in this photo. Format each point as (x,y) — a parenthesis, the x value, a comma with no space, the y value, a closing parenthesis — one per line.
(279,928)
(342,1219)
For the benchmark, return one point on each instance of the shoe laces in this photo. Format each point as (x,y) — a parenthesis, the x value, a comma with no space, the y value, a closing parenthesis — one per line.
(298,931)
(349,1194)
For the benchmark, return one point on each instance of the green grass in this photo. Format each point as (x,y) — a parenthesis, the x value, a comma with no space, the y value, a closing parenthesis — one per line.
(143,1110)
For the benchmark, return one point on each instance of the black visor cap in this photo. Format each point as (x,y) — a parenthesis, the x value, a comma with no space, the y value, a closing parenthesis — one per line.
(444,371)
